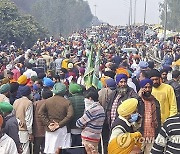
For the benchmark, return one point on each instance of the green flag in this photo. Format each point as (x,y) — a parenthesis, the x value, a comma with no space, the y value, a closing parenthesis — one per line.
(89,70)
(95,79)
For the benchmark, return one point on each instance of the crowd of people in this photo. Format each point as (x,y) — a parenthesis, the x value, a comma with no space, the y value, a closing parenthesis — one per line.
(47,104)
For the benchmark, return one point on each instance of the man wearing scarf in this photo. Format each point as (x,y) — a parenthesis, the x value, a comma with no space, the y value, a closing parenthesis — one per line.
(149,108)
(124,138)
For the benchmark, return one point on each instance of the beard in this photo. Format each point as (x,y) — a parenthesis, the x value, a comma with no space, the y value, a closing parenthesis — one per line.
(122,90)
(156,85)
(147,94)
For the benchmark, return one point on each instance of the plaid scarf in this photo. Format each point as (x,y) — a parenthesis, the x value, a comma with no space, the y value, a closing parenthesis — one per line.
(114,108)
(150,119)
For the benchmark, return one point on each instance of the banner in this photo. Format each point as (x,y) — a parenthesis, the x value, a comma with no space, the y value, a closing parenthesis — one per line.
(95,79)
(89,70)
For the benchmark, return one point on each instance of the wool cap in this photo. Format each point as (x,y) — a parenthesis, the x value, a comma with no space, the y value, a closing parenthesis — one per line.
(59,88)
(118,77)
(22,79)
(127,107)
(75,88)
(5,107)
(5,88)
(142,83)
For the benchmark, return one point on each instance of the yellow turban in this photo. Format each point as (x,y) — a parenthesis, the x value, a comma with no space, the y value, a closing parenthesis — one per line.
(124,144)
(22,79)
(127,107)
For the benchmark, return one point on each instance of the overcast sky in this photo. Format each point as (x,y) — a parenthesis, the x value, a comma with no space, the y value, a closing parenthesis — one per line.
(116,12)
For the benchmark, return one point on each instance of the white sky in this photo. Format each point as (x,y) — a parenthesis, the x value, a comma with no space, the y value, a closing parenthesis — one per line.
(116,12)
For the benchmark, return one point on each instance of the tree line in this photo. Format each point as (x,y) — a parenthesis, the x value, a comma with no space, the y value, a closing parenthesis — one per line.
(19,28)
(58,16)
(25,21)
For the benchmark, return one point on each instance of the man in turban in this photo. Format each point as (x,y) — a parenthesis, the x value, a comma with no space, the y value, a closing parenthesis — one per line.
(164,94)
(149,108)
(124,139)
(24,113)
(77,101)
(5,93)
(11,124)
(56,112)
(122,92)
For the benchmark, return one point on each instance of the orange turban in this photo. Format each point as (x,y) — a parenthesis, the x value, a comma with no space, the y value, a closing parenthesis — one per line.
(122,71)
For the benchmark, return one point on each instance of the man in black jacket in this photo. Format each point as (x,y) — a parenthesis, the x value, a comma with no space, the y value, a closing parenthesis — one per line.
(149,108)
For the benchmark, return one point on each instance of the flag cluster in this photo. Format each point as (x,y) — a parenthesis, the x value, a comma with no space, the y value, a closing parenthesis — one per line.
(91,76)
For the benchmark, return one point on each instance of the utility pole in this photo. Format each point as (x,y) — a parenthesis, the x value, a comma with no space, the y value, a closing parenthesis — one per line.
(165,18)
(130,12)
(145,7)
(135,12)
(95,9)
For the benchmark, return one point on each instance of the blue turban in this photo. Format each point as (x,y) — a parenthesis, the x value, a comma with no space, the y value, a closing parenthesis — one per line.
(111,83)
(25,91)
(121,76)
(48,82)
(142,83)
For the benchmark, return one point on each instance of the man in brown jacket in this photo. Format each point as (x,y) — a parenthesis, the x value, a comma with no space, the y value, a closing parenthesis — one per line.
(56,112)
(38,127)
